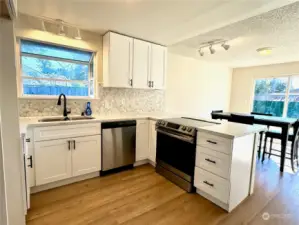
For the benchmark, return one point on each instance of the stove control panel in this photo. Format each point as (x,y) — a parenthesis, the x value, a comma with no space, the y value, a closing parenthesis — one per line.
(177,127)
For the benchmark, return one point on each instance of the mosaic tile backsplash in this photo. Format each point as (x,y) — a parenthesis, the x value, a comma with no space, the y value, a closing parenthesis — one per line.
(110,101)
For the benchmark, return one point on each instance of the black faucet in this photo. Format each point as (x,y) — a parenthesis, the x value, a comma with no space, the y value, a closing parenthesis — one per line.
(65,111)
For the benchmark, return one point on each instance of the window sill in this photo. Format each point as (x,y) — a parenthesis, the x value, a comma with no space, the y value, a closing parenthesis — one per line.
(54,97)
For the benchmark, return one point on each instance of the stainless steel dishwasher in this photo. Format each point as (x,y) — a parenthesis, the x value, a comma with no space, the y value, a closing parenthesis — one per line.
(118,144)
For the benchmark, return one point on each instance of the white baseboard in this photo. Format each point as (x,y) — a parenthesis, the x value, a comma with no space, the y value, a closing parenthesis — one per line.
(152,163)
(141,162)
(44,187)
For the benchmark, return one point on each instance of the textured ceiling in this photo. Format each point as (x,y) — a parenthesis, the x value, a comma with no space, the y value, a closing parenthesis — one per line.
(162,21)
(278,29)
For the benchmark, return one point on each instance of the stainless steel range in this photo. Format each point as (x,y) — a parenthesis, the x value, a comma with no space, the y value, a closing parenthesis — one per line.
(176,148)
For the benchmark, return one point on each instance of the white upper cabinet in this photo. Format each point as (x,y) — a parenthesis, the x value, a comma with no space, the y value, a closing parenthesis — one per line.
(133,63)
(117,60)
(158,66)
(141,64)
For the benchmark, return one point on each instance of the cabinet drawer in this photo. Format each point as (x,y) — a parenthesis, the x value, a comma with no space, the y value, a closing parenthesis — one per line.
(66,131)
(212,161)
(212,184)
(214,142)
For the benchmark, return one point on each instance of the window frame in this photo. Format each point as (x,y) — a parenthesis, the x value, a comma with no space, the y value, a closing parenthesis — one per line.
(91,74)
(287,94)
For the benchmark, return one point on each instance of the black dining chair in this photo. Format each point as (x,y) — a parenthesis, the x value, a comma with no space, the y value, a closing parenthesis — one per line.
(215,111)
(293,138)
(244,119)
(261,133)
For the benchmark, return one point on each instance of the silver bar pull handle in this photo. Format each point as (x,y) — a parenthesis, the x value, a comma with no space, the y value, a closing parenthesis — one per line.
(211,161)
(207,183)
(69,145)
(212,142)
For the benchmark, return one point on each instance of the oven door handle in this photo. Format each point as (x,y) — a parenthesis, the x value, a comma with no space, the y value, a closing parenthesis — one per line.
(180,137)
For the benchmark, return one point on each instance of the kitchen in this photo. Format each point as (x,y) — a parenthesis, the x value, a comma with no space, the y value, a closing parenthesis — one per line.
(124,117)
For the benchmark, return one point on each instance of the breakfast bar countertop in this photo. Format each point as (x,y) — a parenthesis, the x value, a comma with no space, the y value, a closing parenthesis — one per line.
(233,130)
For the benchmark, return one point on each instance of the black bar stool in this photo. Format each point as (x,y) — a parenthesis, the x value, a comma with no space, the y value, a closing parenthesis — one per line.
(261,133)
(293,138)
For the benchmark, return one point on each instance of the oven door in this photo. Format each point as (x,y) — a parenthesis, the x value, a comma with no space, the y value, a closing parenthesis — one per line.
(176,152)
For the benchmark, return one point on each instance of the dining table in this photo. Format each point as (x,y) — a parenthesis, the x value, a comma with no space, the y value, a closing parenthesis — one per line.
(274,121)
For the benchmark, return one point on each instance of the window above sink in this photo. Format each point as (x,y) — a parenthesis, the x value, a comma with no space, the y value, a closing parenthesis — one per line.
(49,70)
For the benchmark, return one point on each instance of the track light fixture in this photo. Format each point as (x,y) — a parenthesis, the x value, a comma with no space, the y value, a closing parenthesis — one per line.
(61,30)
(61,27)
(78,35)
(43,26)
(211,45)
(201,53)
(212,50)
(225,46)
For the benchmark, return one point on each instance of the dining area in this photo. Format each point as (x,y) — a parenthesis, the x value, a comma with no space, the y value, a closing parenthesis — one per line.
(282,130)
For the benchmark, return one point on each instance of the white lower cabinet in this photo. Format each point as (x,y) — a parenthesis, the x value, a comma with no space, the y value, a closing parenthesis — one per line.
(142,140)
(212,184)
(152,141)
(224,168)
(53,161)
(86,155)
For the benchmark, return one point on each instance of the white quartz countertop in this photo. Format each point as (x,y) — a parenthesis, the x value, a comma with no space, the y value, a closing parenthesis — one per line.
(26,122)
(226,129)
(232,130)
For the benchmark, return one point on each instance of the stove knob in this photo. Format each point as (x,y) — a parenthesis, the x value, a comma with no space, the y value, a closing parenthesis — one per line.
(183,128)
(189,129)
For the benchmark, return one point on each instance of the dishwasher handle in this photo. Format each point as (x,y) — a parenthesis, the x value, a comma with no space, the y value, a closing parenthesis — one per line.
(116,124)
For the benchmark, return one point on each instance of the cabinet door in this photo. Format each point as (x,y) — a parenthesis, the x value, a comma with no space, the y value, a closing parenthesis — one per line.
(120,60)
(158,66)
(152,141)
(141,64)
(86,155)
(52,161)
(142,140)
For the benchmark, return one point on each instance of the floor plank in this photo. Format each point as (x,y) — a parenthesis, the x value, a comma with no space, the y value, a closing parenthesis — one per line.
(141,196)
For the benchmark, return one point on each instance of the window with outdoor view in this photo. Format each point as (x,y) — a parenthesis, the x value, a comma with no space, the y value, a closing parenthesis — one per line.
(277,96)
(51,70)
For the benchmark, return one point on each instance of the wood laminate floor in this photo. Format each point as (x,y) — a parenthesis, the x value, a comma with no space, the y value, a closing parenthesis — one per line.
(140,196)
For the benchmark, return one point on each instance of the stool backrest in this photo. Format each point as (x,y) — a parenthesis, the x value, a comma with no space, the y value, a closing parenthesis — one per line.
(296,130)
(241,119)
(261,114)
(215,111)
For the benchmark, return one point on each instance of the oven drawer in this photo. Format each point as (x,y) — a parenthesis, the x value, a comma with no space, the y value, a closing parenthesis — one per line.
(211,184)
(212,161)
(214,142)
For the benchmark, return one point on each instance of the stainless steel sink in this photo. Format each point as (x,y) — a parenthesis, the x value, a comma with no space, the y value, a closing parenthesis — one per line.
(58,119)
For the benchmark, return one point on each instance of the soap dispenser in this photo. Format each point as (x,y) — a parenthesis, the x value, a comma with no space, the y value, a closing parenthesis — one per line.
(88,110)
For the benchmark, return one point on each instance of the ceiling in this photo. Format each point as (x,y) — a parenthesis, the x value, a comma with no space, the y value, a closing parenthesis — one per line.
(161,21)
(278,29)
(184,24)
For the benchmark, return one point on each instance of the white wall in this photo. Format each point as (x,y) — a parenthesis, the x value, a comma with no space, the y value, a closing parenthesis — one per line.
(10,136)
(195,88)
(243,82)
